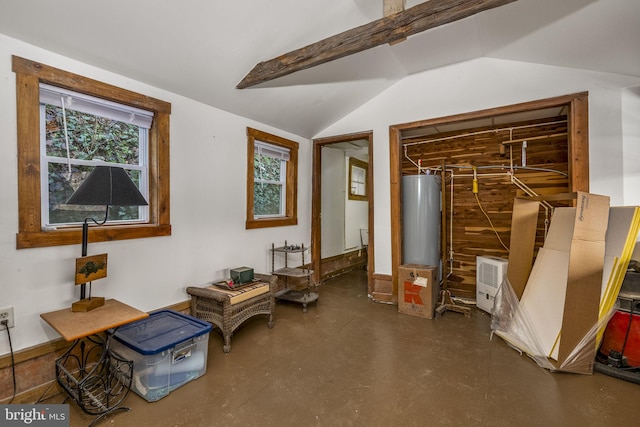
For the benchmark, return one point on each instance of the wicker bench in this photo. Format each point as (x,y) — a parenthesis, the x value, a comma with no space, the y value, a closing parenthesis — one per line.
(228,309)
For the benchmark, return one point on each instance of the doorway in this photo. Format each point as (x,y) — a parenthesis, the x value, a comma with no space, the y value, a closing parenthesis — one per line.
(347,196)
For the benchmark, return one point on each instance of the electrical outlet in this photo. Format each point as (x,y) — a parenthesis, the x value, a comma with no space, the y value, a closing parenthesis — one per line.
(6,313)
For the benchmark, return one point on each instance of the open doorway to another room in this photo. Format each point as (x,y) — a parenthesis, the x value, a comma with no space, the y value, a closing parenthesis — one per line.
(342,206)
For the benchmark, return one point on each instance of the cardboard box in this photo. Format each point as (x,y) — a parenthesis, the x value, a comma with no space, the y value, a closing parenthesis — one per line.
(418,290)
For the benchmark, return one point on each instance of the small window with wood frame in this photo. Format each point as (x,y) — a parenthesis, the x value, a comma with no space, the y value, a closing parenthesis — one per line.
(357,179)
(66,123)
(272,180)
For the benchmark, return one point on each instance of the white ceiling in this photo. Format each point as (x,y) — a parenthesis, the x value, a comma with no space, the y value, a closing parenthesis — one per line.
(202,48)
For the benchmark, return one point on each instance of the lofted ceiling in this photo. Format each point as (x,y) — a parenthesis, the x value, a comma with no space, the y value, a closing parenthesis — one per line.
(201,49)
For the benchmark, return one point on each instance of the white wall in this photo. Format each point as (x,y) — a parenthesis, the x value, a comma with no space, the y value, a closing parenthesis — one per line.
(481,84)
(631,144)
(208,194)
(332,202)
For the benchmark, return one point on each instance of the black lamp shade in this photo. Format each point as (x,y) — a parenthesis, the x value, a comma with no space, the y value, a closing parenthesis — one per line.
(107,185)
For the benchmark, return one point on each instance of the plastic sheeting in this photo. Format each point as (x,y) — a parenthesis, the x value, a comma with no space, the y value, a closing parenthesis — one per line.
(536,324)
(511,322)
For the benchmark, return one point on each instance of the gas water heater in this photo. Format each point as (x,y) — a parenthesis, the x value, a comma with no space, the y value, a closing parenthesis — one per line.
(421,216)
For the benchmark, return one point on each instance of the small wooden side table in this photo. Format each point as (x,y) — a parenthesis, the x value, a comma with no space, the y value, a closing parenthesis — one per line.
(96,378)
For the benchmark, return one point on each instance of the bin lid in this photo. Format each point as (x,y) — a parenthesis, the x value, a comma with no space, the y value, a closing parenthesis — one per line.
(160,331)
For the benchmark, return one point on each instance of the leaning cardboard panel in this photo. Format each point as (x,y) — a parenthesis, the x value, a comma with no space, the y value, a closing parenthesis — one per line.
(573,258)
(584,284)
(544,297)
(508,316)
(624,223)
(524,223)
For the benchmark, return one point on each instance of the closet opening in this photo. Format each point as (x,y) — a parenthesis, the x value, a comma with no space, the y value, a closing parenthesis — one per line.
(481,161)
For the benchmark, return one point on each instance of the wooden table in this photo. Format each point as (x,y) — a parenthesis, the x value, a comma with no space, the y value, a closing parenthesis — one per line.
(75,325)
(95,377)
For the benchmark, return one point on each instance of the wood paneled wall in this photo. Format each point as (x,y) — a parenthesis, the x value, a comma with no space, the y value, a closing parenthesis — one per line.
(468,231)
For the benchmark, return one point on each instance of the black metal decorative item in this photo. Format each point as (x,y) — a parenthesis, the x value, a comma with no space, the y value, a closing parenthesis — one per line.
(109,186)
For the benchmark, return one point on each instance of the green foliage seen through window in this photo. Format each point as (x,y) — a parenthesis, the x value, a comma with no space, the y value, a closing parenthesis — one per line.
(269,184)
(90,138)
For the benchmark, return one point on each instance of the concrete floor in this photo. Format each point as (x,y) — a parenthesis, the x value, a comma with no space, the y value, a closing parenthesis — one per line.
(351,362)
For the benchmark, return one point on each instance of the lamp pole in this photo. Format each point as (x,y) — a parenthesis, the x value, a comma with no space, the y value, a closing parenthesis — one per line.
(85,243)
(85,239)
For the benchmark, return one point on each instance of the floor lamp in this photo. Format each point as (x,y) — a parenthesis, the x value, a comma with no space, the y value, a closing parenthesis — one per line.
(109,186)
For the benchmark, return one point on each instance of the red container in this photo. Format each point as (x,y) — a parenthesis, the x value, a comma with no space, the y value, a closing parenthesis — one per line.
(623,335)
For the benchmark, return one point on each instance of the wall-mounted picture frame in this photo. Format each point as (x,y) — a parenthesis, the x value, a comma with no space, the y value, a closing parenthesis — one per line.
(358,171)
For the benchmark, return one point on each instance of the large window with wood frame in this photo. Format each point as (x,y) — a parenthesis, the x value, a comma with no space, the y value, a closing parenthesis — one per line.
(272,174)
(66,125)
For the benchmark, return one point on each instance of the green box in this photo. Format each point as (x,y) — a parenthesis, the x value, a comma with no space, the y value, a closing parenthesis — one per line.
(242,274)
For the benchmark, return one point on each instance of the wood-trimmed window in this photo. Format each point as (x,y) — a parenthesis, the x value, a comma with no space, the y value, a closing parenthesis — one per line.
(29,75)
(288,180)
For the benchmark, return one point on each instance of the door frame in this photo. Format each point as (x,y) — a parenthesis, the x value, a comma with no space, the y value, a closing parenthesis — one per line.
(316,205)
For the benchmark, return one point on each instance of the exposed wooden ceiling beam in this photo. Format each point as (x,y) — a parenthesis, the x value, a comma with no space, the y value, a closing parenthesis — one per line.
(417,19)
(391,7)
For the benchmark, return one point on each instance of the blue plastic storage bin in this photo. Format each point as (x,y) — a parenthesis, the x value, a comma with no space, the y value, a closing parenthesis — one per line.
(168,349)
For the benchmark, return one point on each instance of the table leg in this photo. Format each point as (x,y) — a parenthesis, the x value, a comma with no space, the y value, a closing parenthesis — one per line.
(97,379)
